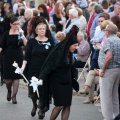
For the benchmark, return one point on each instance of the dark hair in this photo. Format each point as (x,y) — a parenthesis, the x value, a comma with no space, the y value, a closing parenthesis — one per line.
(7,18)
(54,1)
(74,1)
(34,22)
(116,21)
(43,7)
(105,4)
(32,4)
(35,13)
(53,27)
(67,3)
(98,9)
(22,11)
(2,10)
(113,1)
(105,15)
(13,19)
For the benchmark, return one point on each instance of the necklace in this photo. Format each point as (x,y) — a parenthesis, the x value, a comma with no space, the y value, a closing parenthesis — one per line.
(40,42)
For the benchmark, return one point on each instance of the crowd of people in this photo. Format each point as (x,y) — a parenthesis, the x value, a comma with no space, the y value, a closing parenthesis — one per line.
(51,41)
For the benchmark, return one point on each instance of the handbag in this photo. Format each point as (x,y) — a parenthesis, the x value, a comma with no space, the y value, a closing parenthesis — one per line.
(75,85)
(74,77)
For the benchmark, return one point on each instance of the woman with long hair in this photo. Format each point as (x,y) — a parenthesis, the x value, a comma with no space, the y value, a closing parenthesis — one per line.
(59,16)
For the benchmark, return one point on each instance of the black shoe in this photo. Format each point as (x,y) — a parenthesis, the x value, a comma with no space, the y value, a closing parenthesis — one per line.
(14,101)
(33,112)
(41,114)
(9,96)
(8,99)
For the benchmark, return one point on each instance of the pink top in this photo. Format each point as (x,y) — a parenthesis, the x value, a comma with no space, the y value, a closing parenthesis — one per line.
(103,41)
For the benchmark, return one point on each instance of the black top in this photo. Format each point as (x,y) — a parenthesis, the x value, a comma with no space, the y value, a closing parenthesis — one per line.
(45,15)
(1,24)
(56,20)
(36,53)
(24,27)
(12,51)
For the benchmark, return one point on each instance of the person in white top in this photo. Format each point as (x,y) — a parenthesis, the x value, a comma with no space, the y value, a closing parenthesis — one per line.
(82,19)
(15,6)
(74,20)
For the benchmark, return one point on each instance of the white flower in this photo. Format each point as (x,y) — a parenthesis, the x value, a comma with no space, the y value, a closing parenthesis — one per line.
(15,64)
(18,71)
(35,83)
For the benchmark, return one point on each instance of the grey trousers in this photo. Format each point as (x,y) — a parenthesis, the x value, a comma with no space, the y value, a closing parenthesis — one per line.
(109,93)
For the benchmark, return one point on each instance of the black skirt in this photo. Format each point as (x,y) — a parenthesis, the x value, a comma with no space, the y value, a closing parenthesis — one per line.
(62,93)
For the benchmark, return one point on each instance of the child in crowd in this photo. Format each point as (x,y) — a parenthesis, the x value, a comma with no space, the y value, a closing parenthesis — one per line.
(60,36)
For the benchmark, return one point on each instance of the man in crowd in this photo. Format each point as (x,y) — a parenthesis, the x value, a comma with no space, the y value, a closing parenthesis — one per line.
(109,63)
(116,11)
(28,15)
(73,20)
(83,51)
(83,5)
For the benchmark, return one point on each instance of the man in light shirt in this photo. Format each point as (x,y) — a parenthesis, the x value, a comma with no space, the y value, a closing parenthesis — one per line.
(73,20)
(82,3)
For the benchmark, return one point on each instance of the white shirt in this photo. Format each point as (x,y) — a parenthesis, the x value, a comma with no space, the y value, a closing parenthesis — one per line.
(15,8)
(83,25)
(75,21)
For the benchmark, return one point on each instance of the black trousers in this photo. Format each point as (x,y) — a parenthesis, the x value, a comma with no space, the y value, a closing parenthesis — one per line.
(117,117)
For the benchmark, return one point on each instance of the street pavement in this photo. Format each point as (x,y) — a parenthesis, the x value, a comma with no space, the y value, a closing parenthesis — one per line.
(22,110)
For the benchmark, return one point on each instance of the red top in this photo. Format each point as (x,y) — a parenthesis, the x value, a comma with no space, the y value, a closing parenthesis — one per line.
(89,25)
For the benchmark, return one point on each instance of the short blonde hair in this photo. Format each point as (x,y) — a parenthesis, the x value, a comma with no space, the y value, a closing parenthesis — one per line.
(80,12)
(60,36)
(104,24)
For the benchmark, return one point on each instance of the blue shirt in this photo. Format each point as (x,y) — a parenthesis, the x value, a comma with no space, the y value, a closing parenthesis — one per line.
(82,3)
(76,22)
(94,25)
(53,36)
